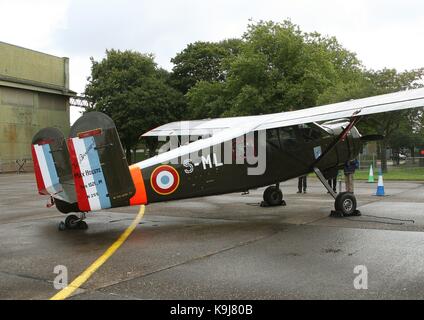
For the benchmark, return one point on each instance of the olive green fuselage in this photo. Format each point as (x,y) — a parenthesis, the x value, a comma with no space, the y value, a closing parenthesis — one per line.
(290,152)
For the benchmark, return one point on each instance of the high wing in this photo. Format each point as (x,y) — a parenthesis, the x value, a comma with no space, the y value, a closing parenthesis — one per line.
(197,127)
(361,107)
(229,128)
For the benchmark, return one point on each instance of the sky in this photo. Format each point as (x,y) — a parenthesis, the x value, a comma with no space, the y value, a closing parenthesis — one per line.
(383,33)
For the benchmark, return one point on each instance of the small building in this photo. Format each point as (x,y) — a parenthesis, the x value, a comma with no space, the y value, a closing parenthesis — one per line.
(34,93)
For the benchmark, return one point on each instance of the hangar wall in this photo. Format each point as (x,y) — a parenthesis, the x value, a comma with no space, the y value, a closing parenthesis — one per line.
(34,93)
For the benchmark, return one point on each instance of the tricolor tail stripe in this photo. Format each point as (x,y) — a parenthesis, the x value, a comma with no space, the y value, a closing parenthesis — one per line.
(38,176)
(45,170)
(90,183)
(98,177)
(83,204)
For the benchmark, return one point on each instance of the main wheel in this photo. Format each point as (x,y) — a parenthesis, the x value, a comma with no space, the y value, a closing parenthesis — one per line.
(72,222)
(345,203)
(273,196)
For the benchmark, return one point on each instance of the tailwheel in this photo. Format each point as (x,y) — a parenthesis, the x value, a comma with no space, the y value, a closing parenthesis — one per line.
(273,197)
(345,204)
(73,222)
(82,225)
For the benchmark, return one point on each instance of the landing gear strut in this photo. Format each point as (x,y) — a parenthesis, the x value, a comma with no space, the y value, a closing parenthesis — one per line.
(273,197)
(344,202)
(73,222)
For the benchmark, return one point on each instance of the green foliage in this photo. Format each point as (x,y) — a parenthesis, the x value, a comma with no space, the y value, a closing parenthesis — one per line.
(211,96)
(399,128)
(386,81)
(130,88)
(274,67)
(277,68)
(202,61)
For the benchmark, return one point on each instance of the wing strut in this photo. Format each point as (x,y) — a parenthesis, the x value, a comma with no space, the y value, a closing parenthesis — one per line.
(324,182)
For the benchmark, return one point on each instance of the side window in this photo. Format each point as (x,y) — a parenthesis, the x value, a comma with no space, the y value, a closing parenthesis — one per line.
(272,137)
(240,146)
(252,143)
(309,132)
(287,136)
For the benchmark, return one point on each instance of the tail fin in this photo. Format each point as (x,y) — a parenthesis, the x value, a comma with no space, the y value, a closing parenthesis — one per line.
(89,170)
(51,165)
(99,166)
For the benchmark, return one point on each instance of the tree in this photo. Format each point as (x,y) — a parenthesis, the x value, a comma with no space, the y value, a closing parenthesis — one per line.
(202,61)
(130,88)
(277,68)
(280,68)
(392,125)
(208,100)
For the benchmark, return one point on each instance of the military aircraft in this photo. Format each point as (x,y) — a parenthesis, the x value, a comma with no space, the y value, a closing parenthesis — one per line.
(88,171)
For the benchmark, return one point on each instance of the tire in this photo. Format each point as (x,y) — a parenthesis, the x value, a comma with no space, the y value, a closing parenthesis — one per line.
(273,196)
(82,225)
(72,222)
(345,203)
(62,226)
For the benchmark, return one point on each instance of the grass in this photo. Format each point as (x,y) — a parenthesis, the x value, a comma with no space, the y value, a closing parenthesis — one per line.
(395,173)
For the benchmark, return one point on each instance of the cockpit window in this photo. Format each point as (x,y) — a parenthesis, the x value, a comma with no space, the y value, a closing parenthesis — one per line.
(287,136)
(310,131)
(287,133)
(272,137)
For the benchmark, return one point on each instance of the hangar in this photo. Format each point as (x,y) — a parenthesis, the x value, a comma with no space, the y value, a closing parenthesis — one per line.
(34,93)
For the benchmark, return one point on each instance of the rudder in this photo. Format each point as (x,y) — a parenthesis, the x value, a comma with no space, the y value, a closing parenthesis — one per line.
(99,166)
(51,165)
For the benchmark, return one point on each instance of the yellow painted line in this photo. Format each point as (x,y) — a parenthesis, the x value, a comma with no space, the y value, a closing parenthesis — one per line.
(83,277)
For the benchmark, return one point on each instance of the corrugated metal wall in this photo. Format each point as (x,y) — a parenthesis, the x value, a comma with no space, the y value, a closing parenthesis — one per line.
(24,111)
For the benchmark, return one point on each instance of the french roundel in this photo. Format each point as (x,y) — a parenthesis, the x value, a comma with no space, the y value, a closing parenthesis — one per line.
(165,180)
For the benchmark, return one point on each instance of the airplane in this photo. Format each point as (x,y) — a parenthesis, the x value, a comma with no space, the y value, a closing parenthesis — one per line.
(88,171)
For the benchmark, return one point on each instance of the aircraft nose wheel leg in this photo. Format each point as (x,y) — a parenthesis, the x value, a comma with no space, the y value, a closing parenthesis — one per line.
(273,197)
(73,222)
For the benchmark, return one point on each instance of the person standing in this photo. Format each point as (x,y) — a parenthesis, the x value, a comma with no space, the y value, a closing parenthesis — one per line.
(333,182)
(349,170)
(302,184)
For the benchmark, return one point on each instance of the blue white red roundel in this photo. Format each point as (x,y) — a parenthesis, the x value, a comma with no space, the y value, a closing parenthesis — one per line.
(164,180)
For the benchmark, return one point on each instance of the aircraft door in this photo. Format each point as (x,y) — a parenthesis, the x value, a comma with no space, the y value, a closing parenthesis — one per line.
(292,149)
(315,141)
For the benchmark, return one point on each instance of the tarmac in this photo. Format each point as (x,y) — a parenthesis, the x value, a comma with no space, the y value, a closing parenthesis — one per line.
(221,247)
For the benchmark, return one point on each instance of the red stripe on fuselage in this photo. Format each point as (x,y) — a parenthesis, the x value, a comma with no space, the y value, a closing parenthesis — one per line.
(38,176)
(83,203)
(140,196)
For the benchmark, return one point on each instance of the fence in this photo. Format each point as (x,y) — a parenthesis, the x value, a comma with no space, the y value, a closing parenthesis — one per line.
(408,162)
(16,165)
